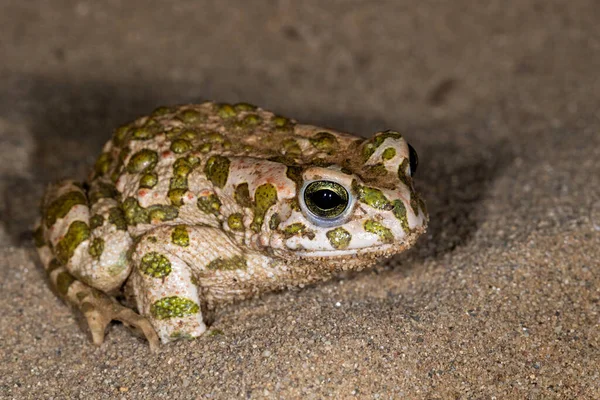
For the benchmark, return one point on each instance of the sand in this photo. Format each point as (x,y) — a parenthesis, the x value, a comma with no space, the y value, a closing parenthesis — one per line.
(500,299)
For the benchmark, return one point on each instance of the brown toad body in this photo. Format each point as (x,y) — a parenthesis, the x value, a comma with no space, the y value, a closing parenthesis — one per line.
(200,205)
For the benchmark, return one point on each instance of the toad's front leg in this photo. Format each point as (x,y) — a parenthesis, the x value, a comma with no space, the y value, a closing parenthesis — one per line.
(177,269)
(164,285)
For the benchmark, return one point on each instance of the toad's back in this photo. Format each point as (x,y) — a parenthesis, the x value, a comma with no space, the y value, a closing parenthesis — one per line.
(229,130)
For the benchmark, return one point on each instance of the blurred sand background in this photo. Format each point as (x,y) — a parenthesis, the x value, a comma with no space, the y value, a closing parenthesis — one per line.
(500,299)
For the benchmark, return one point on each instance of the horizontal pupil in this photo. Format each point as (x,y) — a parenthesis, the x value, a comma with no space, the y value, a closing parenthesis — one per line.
(326,199)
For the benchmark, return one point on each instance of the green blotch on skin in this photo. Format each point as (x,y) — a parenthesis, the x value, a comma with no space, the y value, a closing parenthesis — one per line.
(282,123)
(294,204)
(251,120)
(215,137)
(77,233)
(294,228)
(117,218)
(136,214)
(297,228)
(377,169)
(193,160)
(173,133)
(176,196)
(244,107)
(162,213)
(324,141)
(265,197)
(399,211)
(388,154)
(160,111)
(96,247)
(62,205)
(414,203)
(236,222)
(152,239)
(190,116)
(204,147)
(402,172)
(96,221)
(63,282)
(368,151)
(102,190)
(321,162)
(217,170)
(242,195)
(178,184)
(385,234)
(371,196)
(148,180)
(155,265)
(274,221)
(123,154)
(150,128)
(38,237)
(173,307)
(121,135)
(145,132)
(142,133)
(294,173)
(180,146)
(180,236)
(226,111)
(292,148)
(372,144)
(183,166)
(379,139)
(81,296)
(143,160)
(188,135)
(227,264)
(103,164)
(209,204)
(339,238)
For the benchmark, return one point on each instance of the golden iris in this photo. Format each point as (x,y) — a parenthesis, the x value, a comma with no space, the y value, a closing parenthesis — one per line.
(326,199)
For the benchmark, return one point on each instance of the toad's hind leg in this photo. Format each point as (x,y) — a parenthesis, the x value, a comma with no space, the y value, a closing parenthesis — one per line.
(87,233)
(71,246)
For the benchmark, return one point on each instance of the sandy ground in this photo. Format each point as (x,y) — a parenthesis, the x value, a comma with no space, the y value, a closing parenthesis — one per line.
(500,299)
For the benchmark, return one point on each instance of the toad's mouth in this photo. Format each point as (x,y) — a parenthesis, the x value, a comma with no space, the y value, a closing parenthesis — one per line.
(382,250)
(374,251)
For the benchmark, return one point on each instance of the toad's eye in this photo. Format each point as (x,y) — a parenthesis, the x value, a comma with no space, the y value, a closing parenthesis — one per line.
(326,201)
(413,159)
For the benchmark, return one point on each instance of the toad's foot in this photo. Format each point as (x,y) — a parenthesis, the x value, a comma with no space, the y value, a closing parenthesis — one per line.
(98,308)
